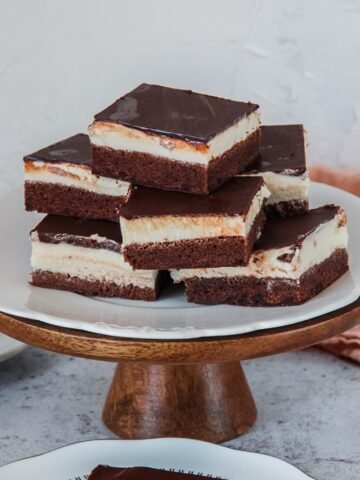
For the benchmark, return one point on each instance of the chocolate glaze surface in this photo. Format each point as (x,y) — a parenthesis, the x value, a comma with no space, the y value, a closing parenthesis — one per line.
(175,113)
(293,230)
(75,149)
(55,229)
(232,198)
(139,473)
(282,149)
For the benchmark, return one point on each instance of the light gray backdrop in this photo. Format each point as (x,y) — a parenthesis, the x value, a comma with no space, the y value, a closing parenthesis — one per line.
(62,61)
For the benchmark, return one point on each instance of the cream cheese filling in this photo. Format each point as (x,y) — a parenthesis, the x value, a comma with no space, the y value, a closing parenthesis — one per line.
(119,137)
(316,248)
(77,176)
(284,188)
(172,228)
(88,264)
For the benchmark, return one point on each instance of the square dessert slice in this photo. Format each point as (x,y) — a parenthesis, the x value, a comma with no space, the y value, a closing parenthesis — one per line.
(103,472)
(58,180)
(282,164)
(85,256)
(174,139)
(294,260)
(163,229)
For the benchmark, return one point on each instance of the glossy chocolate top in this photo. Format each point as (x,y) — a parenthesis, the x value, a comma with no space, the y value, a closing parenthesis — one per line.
(293,230)
(175,113)
(75,149)
(139,473)
(77,231)
(282,149)
(232,198)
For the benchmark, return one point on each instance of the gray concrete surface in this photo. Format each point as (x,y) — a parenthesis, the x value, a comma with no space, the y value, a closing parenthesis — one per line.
(308,402)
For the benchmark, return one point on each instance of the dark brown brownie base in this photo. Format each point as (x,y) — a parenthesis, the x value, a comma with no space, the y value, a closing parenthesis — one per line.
(197,253)
(250,291)
(60,281)
(70,201)
(153,171)
(286,209)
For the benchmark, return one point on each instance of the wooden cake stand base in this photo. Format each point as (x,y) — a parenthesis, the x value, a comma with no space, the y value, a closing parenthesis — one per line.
(180,388)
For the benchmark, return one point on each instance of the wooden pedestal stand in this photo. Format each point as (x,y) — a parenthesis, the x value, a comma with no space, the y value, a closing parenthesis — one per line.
(180,388)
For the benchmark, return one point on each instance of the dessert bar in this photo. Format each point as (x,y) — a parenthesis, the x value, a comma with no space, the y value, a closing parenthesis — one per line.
(282,164)
(85,256)
(58,180)
(163,229)
(103,472)
(295,259)
(174,139)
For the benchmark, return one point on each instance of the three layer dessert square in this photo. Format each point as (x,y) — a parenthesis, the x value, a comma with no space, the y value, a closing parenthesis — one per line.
(282,164)
(163,229)
(294,260)
(174,139)
(59,180)
(85,256)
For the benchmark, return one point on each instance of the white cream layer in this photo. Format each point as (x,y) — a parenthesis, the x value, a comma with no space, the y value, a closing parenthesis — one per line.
(77,176)
(316,248)
(119,137)
(88,264)
(284,188)
(171,228)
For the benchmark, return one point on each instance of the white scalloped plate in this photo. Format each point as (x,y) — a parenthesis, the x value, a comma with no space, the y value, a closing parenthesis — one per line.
(75,461)
(171,317)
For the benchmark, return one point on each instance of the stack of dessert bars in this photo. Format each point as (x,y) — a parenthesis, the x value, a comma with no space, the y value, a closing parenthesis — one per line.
(174,181)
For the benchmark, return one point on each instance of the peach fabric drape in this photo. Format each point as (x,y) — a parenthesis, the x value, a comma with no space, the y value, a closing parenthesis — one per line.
(347,344)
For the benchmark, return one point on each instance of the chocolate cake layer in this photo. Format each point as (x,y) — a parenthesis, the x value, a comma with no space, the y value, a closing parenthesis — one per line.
(251,291)
(61,281)
(55,199)
(103,472)
(59,180)
(175,113)
(160,172)
(196,253)
(233,198)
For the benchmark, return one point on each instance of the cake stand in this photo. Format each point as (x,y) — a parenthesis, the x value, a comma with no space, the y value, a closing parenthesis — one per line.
(180,388)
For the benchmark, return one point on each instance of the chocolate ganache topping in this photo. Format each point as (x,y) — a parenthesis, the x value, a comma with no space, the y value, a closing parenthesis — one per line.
(78,231)
(282,149)
(175,113)
(293,230)
(75,149)
(233,198)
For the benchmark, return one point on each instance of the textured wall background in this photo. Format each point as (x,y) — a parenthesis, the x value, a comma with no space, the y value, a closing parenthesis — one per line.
(62,61)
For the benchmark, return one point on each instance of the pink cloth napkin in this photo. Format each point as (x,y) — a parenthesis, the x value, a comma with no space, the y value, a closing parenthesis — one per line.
(347,344)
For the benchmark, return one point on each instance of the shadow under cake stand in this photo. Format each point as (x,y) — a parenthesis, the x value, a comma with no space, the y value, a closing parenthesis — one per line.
(180,388)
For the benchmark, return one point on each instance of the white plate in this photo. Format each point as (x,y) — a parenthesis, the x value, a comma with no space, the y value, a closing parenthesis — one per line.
(75,461)
(169,318)
(9,347)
